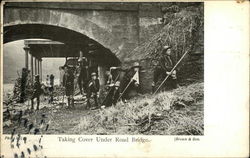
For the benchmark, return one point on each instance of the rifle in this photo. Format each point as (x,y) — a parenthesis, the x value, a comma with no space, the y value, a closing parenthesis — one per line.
(110,89)
(131,80)
(125,89)
(171,72)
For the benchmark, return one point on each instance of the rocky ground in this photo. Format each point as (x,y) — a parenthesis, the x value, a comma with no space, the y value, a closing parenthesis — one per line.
(177,112)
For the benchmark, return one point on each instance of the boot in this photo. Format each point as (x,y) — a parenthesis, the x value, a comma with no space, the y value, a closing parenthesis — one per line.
(68,102)
(32,104)
(88,104)
(38,103)
(72,103)
(96,101)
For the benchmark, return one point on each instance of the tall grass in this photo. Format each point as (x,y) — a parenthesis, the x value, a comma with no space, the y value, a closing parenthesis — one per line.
(138,114)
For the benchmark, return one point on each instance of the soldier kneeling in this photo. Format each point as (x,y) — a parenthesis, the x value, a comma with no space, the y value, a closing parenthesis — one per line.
(93,89)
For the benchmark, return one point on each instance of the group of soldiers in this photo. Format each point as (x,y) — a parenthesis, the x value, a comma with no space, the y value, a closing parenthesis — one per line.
(87,84)
(121,84)
(124,84)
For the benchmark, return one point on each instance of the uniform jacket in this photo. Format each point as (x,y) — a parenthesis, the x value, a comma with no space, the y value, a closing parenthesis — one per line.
(127,78)
(68,79)
(94,86)
(82,72)
(37,88)
(167,62)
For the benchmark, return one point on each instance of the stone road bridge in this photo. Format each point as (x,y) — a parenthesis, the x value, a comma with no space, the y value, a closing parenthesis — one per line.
(104,31)
(110,28)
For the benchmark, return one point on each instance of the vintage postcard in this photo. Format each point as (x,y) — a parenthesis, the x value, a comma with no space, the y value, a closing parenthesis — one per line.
(124,79)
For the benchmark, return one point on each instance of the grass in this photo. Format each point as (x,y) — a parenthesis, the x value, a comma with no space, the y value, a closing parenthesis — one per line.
(149,114)
(182,33)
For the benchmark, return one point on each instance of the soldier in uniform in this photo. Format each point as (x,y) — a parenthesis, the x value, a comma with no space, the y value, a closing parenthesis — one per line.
(113,77)
(79,74)
(85,74)
(93,89)
(51,87)
(23,85)
(164,67)
(37,91)
(82,74)
(68,83)
(115,92)
(130,83)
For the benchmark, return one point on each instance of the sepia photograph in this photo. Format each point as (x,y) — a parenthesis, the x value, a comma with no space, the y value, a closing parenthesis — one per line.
(103,68)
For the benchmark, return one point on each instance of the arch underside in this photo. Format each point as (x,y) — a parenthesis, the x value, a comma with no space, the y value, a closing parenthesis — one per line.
(74,41)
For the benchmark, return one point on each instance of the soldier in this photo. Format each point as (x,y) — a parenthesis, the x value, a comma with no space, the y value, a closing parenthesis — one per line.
(93,89)
(68,83)
(115,92)
(79,74)
(130,84)
(114,76)
(37,91)
(109,78)
(85,75)
(82,74)
(51,87)
(23,85)
(164,67)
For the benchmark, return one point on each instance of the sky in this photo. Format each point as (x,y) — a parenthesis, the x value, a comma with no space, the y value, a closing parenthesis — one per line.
(13,62)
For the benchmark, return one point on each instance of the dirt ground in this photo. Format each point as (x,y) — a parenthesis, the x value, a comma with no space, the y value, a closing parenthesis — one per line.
(127,118)
(60,118)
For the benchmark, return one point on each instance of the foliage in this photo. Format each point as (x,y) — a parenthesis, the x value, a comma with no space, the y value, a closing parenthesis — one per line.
(182,33)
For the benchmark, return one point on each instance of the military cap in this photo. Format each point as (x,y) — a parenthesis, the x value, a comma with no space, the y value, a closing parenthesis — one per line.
(166,47)
(93,74)
(136,64)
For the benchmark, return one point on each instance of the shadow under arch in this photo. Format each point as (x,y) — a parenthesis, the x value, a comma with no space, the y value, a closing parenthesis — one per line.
(75,41)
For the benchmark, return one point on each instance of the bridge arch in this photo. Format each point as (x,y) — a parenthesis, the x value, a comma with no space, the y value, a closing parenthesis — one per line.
(74,40)
(81,23)
(75,29)
(114,27)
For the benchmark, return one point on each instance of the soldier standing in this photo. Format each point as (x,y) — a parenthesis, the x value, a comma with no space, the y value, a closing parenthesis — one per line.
(68,83)
(166,64)
(85,74)
(51,88)
(23,85)
(93,89)
(37,90)
(79,75)
(82,74)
